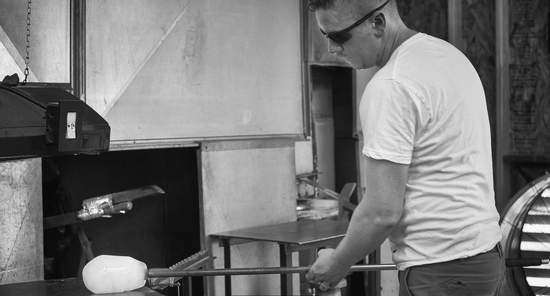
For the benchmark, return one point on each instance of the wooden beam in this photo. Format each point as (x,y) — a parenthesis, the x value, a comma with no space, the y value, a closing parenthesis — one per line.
(455,23)
(78,48)
(502,171)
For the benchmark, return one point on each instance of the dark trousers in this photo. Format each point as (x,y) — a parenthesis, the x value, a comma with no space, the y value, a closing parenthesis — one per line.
(479,275)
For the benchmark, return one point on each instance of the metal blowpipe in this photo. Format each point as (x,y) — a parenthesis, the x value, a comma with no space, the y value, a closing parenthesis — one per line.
(163,272)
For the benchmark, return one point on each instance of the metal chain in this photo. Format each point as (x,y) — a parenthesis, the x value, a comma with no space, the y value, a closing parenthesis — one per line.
(27,58)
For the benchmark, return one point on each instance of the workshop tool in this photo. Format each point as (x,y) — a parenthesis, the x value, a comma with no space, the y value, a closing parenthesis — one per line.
(163,272)
(104,274)
(160,278)
(103,206)
(330,193)
(114,274)
(193,262)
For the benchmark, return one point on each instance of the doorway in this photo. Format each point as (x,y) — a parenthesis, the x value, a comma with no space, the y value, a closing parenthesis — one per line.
(335,138)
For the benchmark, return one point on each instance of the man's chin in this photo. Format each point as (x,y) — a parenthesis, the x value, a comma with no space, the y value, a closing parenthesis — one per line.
(353,65)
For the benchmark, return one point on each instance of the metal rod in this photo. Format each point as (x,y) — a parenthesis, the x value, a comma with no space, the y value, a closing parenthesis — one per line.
(154,273)
(520,262)
(163,272)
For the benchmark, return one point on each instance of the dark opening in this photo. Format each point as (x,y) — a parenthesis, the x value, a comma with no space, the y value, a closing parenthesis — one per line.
(159,231)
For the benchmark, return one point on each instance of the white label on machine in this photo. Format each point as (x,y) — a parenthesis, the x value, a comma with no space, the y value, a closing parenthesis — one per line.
(71,126)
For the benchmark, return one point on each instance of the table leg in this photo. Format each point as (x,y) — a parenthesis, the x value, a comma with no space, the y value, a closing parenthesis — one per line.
(286,279)
(189,286)
(373,277)
(227,264)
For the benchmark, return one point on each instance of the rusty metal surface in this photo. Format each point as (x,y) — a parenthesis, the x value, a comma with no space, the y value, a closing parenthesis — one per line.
(21,237)
(300,232)
(72,286)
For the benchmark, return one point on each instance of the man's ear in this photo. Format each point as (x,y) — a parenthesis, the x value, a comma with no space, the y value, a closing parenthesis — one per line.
(379,22)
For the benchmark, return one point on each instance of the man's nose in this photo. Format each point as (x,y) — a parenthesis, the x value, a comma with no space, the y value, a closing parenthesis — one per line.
(334,47)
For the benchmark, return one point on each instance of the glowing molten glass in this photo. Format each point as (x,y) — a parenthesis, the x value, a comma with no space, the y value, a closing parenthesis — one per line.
(114,274)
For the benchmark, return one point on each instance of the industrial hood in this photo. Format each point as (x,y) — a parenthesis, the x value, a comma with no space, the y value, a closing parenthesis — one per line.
(39,121)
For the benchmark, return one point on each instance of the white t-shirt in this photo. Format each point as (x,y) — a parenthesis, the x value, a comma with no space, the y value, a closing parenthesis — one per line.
(426,107)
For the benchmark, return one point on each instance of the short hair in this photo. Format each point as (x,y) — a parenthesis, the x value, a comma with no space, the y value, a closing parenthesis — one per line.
(326,4)
(320,4)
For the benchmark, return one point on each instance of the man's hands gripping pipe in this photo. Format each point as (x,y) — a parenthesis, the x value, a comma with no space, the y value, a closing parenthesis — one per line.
(322,273)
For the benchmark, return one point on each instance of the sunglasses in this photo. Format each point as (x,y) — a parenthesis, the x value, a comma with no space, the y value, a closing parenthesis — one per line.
(343,36)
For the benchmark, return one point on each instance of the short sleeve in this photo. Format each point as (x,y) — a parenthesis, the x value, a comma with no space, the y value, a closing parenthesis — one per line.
(389,114)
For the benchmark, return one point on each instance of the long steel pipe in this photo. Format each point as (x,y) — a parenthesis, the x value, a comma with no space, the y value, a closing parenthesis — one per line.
(162,272)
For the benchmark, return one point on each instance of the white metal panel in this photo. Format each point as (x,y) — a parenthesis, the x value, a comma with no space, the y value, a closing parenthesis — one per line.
(246,184)
(8,62)
(188,69)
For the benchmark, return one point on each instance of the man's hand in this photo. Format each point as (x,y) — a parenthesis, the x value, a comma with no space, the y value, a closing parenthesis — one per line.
(327,271)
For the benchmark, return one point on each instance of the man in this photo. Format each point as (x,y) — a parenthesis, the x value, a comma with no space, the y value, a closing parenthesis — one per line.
(429,183)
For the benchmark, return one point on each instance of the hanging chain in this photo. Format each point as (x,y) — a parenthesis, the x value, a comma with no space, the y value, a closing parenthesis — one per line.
(27,58)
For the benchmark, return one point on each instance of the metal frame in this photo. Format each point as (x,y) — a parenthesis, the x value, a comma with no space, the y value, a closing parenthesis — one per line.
(511,225)
(78,48)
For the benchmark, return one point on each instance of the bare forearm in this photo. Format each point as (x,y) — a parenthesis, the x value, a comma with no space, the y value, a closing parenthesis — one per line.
(367,231)
(377,214)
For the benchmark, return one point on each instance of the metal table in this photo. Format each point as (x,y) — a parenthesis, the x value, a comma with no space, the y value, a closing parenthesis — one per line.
(291,237)
(63,287)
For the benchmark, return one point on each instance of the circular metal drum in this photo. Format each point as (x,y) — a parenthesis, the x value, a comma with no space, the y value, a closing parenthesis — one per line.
(525,226)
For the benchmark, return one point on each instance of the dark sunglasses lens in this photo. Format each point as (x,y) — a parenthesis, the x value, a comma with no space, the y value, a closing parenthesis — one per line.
(339,38)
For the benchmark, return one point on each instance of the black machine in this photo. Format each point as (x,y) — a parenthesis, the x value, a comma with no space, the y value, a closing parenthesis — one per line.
(38,121)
